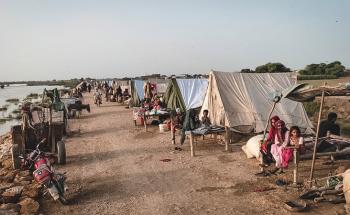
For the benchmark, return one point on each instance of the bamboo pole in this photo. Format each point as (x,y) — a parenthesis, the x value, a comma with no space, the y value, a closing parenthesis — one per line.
(296,162)
(172,129)
(192,145)
(227,138)
(317,133)
(144,121)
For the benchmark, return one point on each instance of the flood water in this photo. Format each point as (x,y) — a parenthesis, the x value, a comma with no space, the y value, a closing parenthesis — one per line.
(20,92)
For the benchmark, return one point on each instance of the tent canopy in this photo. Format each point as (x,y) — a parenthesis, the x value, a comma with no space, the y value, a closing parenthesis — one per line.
(186,93)
(242,101)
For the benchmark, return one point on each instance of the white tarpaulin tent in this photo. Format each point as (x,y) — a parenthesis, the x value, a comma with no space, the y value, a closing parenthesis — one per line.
(192,91)
(242,101)
(186,93)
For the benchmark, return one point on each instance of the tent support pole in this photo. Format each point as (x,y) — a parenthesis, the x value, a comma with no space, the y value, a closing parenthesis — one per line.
(144,121)
(316,139)
(227,138)
(192,145)
(172,129)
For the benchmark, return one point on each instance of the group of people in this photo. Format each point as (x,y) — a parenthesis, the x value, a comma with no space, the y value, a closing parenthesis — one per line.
(156,103)
(281,141)
(112,93)
(280,144)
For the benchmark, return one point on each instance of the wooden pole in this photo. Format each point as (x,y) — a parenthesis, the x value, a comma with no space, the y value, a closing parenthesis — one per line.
(227,138)
(144,121)
(268,119)
(317,133)
(172,129)
(192,145)
(296,162)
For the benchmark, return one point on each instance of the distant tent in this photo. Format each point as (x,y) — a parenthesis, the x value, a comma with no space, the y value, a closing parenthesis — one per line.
(242,101)
(138,88)
(185,93)
(137,92)
(161,84)
(123,84)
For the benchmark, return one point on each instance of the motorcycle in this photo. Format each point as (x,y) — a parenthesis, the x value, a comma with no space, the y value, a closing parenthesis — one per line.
(44,173)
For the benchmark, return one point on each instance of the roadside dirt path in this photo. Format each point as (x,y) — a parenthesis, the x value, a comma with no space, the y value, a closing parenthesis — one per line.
(114,167)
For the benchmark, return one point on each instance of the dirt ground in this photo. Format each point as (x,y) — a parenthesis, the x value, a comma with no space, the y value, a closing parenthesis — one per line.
(114,167)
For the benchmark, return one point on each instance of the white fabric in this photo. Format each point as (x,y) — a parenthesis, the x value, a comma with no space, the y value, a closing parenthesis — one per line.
(192,91)
(139,89)
(161,88)
(252,148)
(241,101)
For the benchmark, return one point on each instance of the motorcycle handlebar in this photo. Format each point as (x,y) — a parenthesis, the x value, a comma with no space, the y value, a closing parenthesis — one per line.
(41,142)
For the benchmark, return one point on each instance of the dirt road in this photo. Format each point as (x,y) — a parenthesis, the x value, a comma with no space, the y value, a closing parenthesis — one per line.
(114,167)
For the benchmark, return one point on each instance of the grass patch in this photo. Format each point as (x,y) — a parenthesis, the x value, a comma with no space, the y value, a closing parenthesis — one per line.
(13,100)
(344,127)
(316,77)
(311,108)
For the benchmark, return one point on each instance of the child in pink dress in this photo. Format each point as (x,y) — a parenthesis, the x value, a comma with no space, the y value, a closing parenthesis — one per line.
(296,141)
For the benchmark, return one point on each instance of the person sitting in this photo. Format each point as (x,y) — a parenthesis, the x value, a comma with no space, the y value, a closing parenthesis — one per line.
(156,105)
(205,121)
(329,125)
(295,140)
(281,141)
(326,126)
(266,146)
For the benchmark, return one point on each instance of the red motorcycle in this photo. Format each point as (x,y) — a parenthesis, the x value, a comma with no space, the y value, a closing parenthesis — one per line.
(45,174)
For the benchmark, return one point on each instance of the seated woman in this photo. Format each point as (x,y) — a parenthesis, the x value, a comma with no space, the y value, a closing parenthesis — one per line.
(281,141)
(266,146)
(295,140)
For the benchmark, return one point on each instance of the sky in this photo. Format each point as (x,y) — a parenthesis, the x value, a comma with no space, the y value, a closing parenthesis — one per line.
(47,39)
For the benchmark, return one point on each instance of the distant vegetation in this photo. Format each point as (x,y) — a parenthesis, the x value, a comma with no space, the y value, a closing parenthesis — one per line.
(13,100)
(268,68)
(322,71)
(3,108)
(67,83)
(311,108)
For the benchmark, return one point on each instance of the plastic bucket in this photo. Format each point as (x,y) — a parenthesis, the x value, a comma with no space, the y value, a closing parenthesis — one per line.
(162,127)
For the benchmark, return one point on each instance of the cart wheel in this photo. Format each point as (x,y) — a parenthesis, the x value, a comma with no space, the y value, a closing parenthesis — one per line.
(61,152)
(15,157)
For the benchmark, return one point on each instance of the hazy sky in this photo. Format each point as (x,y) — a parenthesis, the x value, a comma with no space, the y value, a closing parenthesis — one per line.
(63,39)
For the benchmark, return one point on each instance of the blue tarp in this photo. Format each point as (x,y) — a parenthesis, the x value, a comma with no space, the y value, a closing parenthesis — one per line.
(139,89)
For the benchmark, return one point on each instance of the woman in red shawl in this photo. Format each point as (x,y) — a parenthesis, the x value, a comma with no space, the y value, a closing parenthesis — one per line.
(266,146)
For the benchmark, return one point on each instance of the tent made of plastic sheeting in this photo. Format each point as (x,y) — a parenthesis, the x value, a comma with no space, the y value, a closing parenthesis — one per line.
(242,101)
(161,85)
(186,93)
(137,92)
(123,84)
